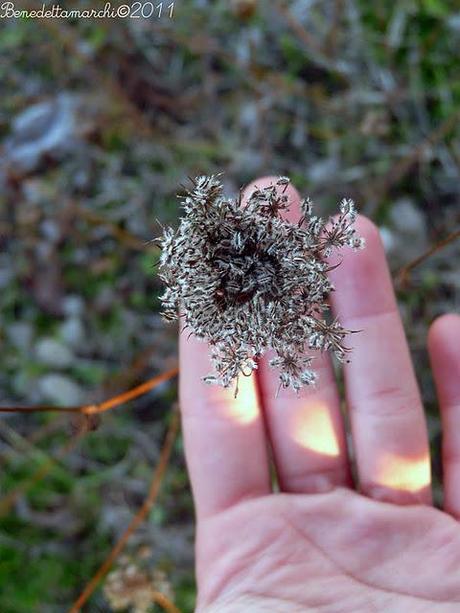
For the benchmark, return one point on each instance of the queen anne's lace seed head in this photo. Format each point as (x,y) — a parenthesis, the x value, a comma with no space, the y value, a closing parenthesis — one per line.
(246,280)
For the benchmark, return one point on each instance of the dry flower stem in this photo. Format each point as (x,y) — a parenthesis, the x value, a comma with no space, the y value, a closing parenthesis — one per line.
(123,236)
(246,280)
(141,389)
(403,274)
(10,498)
(164,602)
(157,479)
(107,405)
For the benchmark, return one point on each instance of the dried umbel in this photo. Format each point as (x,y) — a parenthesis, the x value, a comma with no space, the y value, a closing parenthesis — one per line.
(245,279)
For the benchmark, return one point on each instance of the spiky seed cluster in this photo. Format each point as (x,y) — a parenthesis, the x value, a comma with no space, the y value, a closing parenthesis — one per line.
(245,279)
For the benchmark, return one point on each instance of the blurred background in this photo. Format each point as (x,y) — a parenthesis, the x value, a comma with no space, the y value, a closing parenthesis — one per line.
(101,121)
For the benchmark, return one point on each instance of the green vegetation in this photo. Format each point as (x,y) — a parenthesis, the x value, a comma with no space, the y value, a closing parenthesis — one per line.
(348,98)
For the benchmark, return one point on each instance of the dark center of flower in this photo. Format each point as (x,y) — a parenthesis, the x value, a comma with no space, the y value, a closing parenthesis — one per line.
(245,270)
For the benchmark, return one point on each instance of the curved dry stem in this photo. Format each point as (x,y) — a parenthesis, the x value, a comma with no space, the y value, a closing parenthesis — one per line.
(403,274)
(157,479)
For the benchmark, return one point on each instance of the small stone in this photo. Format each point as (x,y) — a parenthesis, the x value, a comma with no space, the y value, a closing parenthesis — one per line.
(408,219)
(322,171)
(50,230)
(20,335)
(388,238)
(61,390)
(72,332)
(408,237)
(6,276)
(105,299)
(46,128)
(73,305)
(53,353)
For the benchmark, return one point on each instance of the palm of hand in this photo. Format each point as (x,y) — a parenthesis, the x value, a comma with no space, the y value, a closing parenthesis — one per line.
(334,552)
(319,545)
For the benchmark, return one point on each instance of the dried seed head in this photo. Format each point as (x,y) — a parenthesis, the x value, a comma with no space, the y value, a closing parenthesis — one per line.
(246,280)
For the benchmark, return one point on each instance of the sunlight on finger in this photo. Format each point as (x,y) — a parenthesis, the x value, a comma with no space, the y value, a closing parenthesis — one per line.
(244,408)
(313,429)
(404,474)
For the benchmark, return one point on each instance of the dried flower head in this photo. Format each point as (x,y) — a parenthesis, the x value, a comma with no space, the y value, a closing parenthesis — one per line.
(134,585)
(245,279)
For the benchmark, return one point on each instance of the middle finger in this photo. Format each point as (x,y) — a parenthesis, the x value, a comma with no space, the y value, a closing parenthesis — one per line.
(306,431)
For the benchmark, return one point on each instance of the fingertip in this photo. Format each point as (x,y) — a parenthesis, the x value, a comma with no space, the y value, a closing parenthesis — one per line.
(259,183)
(366,228)
(293,212)
(444,351)
(266,181)
(373,253)
(444,330)
(363,279)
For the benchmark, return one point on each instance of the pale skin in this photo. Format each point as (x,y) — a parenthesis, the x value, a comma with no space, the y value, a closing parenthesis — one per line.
(326,541)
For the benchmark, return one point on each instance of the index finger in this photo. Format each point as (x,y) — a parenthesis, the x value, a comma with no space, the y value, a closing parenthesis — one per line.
(224,436)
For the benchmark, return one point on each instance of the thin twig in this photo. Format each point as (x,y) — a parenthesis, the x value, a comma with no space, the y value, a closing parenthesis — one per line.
(19,444)
(70,43)
(402,167)
(123,236)
(35,437)
(41,409)
(312,45)
(164,602)
(402,276)
(137,519)
(111,403)
(130,394)
(8,501)
(122,379)
(127,376)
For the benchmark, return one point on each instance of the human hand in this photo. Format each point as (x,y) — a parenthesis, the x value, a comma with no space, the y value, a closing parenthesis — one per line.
(319,545)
